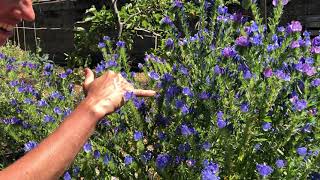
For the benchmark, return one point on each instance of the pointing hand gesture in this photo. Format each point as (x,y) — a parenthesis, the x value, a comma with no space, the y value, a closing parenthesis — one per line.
(106,93)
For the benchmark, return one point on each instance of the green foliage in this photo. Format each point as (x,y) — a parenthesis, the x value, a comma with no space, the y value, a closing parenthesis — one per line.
(138,19)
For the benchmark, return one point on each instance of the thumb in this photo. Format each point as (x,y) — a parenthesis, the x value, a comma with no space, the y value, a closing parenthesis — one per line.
(89,78)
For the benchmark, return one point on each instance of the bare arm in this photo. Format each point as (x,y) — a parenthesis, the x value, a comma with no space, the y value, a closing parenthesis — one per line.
(55,153)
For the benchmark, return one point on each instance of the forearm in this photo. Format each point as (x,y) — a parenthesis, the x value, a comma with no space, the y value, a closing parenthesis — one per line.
(55,153)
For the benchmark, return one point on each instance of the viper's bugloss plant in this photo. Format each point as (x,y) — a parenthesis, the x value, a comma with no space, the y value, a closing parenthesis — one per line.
(237,99)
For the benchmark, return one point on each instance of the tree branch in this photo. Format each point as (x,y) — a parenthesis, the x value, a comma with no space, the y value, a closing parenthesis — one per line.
(116,12)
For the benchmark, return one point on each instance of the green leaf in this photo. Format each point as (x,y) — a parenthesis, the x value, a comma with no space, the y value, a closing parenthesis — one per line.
(267,119)
(145,23)
(246,4)
(260,140)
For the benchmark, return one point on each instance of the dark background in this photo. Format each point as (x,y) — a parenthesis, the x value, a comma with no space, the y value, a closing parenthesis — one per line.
(57,19)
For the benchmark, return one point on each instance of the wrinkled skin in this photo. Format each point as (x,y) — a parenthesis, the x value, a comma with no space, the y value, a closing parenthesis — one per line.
(107,91)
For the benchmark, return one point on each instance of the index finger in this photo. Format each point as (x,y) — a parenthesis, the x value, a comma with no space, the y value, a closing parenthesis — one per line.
(143,93)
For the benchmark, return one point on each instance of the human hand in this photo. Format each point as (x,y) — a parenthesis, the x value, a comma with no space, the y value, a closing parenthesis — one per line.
(105,94)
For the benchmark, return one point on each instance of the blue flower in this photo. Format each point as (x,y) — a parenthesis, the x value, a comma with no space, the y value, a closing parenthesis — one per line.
(27,101)
(247,74)
(182,148)
(14,102)
(172,91)
(316,82)
(87,147)
(42,103)
(217,69)
(256,39)
(210,171)
(315,176)
(169,43)
(271,47)
(280,163)
(220,115)
(222,10)
(190,162)
(137,135)
(295,26)
(167,20)
(275,38)
(183,42)
(315,50)
(63,75)
(208,175)
(206,146)
(308,127)
(48,118)
(264,170)
(221,123)
(67,112)
(57,110)
(204,95)
(243,41)
(167,77)
(185,130)
(228,52)
(302,151)
(140,66)
(2,56)
(76,170)
(257,147)
(267,72)
(282,75)
(106,38)
(183,70)
(11,67)
(128,160)
(244,107)
(96,154)
(48,68)
(139,103)
(153,75)
(30,145)
(14,83)
(178,4)
(162,136)
(106,159)
(266,126)
(146,156)
(254,27)
(128,95)
(101,45)
(121,44)
(276,2)
(187,91)
(162,161)
(207,5)
(67,176)
(112,63)
(57,95)
(316,41)
(300,104)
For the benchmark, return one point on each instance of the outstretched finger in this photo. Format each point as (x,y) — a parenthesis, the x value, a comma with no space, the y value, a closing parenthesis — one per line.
(89,78)
(143,93)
